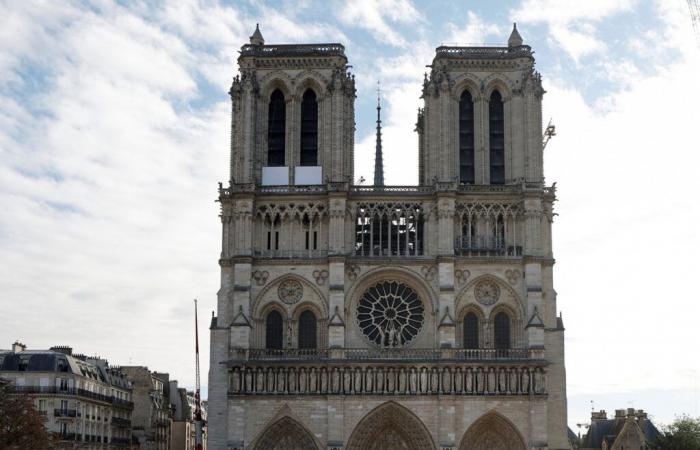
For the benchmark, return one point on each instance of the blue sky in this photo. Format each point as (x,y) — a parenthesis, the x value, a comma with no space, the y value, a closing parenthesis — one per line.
(114,124)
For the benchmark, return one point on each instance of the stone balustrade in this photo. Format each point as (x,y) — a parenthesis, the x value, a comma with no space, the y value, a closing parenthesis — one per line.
(369,379)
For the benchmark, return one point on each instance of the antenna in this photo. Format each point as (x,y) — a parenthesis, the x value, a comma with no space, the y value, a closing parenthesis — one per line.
(548,133)
(694,7)
(198,423)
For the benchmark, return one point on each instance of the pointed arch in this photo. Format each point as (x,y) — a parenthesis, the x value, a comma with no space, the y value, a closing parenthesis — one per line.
(492,431)
(496,138)
(276,128)
(390,426)
(309,129)
(466,137)
(285,434)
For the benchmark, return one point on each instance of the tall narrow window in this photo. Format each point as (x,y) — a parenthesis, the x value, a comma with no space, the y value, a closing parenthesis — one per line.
(307,330)
(309,129)
(273,330)
(471,331)
(466,138)
(276,117)
(496,139)
(501,328)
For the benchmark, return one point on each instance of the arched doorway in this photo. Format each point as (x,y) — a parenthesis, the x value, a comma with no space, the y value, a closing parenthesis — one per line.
(390,427)
(492,432)
(285,434)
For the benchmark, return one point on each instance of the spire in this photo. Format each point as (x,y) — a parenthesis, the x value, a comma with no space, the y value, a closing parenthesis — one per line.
(257,37)
(515,40)
(378,160)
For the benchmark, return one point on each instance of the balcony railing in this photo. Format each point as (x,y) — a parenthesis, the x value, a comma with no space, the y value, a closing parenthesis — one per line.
(67,413)
(121,422)
(388,354)
(53,390)
(67,436)
(485,247)
(290,254)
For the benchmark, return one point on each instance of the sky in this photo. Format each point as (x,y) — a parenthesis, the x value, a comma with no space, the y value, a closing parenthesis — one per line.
(114,131)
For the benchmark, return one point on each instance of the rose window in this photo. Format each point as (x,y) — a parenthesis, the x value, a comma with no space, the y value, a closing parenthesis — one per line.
(390,314)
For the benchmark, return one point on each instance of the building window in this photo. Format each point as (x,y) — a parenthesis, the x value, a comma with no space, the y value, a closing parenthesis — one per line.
(275,129)
(309,129)
(471,331)
(466,138)
(273,330)
(501,328)
(307,330)
(496,139)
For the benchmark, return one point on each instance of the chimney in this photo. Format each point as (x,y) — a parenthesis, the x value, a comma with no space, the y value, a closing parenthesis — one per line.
(599,415)
(641,414)
(620,413)
(62,349)
(18,347)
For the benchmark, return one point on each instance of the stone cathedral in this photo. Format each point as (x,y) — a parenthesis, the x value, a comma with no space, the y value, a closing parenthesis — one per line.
(373,317)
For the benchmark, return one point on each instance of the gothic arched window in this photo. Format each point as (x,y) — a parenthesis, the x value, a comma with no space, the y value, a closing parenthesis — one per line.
(309,129)
(471,331)
(501,331)
(276,118)
(466,138)
(496,139)
(307,330)
(273,330)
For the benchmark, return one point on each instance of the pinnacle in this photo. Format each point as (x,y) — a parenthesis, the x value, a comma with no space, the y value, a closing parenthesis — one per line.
(257,37)
(515,40)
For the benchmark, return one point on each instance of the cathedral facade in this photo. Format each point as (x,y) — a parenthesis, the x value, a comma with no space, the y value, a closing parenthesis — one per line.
(372,317)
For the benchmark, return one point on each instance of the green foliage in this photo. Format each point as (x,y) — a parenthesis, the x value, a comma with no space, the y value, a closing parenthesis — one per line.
(682,434)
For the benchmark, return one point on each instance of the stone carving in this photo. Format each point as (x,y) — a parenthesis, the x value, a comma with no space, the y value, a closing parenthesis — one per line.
(462,276)
(512,275)
(319,379)
(492,432)
(260,277)
(286,434)
(290,291)
(320,276)
(487,292)
(352,271)
(390,314)
(429,273)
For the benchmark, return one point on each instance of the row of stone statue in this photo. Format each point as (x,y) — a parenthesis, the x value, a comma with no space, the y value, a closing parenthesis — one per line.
(324,380)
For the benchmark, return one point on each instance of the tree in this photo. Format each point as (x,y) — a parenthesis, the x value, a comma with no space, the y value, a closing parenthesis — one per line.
(682,434)
(21,425)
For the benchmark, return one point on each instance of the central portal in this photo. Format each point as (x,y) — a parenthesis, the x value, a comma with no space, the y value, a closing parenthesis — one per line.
(390,427)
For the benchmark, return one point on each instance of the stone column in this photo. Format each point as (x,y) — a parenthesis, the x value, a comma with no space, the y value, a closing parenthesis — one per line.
(336,301)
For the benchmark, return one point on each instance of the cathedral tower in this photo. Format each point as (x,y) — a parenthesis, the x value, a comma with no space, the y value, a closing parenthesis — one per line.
(384,317)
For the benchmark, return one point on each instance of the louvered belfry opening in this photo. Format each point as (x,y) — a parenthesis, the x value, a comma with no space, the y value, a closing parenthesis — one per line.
(466,138)
(276,119)
(307,330)
(309,129)
(501,328)
(471,331)
(496,139)
(273,330)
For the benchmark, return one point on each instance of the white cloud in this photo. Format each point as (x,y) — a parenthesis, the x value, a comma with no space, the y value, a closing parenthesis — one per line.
(571,23)
(475,31)
(376,15)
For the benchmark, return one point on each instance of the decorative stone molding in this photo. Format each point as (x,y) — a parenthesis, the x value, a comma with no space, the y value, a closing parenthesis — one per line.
(513,275)
(462,276)
(352,271)
(427,379)
(260,277)
(429,272)
(290,291)
(320,276)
